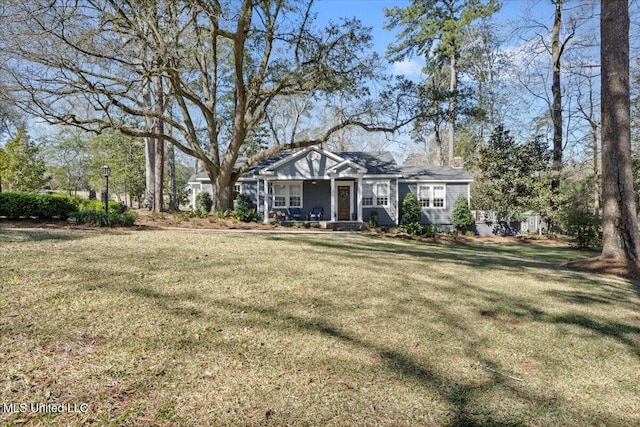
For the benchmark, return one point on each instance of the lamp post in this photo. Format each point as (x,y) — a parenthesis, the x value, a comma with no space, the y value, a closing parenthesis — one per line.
(105,172)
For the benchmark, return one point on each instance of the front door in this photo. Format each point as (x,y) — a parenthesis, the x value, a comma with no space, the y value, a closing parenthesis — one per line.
(344,203)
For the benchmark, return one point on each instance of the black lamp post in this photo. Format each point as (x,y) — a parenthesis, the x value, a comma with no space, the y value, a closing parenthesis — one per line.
(105,172)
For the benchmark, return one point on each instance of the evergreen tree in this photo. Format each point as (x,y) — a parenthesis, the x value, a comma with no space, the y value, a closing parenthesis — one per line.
(411,211)
(462,217)
(435,28)
(21,165)
(511,174)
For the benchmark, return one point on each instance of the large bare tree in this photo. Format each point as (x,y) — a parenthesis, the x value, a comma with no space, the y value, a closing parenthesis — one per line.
(621,237)
(220,64)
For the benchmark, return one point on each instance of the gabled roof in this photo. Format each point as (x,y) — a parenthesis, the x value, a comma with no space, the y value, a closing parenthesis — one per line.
(370,163)
(284,157)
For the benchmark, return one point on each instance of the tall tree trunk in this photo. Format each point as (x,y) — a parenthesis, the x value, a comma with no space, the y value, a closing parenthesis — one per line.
(223,197)
(452,105)
(149,170)
(149,154)
(158,200)
(171,169)
(556,109)
(621,238)
(438,138)
(596,168)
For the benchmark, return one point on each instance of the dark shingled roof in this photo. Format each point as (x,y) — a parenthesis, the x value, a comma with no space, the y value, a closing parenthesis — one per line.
(376,163)
(436,173)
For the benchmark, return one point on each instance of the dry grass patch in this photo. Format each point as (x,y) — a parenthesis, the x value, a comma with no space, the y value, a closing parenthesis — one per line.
(220,328)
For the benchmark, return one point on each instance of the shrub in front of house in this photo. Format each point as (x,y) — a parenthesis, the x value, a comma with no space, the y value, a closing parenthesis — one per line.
(411,211)
(244,209)
(462,217)
(412,228)
(420,230)
(430,230)
(204,203)
(34,205)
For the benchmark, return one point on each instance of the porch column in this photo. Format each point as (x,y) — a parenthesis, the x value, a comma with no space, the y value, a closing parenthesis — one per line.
(333,199)
(258,196)
(266,201)
(359,200)
(397,210)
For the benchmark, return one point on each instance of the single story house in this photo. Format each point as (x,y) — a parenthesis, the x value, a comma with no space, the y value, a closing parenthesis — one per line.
(346,187)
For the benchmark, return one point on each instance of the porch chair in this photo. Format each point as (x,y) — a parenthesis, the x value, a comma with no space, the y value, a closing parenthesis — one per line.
(295,214)
(316,214)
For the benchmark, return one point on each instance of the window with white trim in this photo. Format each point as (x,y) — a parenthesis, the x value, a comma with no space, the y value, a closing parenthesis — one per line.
(438,196)
(432,196)
(287,195)
(382,193)
(295,195)
(280,195)
(424,195)
(375,193)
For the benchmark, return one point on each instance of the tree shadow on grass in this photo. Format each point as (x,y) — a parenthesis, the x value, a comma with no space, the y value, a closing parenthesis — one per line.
(460,395)
(542,262)
(13,235)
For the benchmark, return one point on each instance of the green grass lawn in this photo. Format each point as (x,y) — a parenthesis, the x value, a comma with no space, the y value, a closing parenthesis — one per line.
(220,328)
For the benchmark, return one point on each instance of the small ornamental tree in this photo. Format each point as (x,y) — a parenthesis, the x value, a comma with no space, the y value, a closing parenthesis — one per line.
(462,217)
(204,202)
(411,211)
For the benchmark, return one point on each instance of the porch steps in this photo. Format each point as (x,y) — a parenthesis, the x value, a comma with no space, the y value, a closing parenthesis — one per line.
(342,225)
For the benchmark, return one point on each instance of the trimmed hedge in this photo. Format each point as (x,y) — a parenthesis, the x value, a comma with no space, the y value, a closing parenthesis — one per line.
(101,219)
(98,206)
(34,205)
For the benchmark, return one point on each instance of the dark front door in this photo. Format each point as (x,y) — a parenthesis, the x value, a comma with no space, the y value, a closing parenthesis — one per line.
(344,203)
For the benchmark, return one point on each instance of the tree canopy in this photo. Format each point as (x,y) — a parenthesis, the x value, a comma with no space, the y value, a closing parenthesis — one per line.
(511,174)
(21,165)
(200,75)
(435,29)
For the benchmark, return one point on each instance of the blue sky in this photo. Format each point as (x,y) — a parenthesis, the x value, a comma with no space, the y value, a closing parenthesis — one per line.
(371,13)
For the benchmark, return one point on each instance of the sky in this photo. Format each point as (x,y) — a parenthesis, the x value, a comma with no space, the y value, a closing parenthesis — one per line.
(371,13)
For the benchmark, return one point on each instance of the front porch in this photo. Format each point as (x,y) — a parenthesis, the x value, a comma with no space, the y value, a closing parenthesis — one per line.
(338,200)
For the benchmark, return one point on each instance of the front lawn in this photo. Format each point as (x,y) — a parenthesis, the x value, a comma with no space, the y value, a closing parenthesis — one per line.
(220,328)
